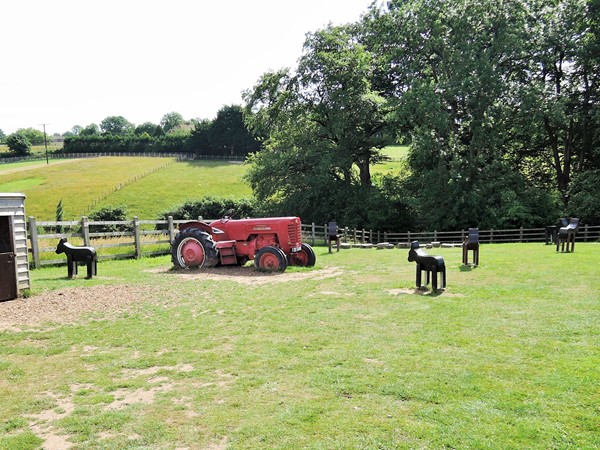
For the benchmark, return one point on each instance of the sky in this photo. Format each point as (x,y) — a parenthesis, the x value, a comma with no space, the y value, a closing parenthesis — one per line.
(74,62)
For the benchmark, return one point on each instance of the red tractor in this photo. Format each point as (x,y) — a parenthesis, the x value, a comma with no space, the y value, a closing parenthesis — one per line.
(273,244)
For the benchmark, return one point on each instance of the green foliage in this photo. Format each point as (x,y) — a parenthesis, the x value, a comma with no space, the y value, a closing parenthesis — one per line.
(2,137)
(225,135)
(116,125)
(59,215)
(90,130)
(18,144)
(211,208)
(33,136)
(109,213)
(125,143)
(147,128)
(584,201)
(170,121)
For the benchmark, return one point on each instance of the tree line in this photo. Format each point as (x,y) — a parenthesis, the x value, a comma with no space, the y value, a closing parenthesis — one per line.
(497,100)
(226,135)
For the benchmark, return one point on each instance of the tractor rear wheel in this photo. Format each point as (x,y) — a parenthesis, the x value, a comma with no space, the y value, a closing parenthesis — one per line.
(194,248)
(305,257)
(270,259)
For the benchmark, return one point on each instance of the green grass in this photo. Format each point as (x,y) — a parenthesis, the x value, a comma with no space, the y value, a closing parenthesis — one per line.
(145,186)
(346,357)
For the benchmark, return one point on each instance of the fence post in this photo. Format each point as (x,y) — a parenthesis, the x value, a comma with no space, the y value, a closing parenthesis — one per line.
(85,230)
(354,240)
(521,234)
(171,228)
(491,235)
(33,236)
(585,232)
(136,237)
(385,236)
(408,237)
(312,234)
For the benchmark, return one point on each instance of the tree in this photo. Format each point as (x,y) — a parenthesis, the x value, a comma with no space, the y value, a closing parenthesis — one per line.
(2,136)
(147,127)
(558,93)
(323,128)
(90,130)
(116,125)
(226,135)
(18,144)
(33,136)
(170,121)
(450,69)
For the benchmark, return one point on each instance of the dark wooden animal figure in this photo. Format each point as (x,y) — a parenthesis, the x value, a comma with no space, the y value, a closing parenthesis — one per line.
(430,264)
(332,235)
(566,235)
(78,254)
(471,242)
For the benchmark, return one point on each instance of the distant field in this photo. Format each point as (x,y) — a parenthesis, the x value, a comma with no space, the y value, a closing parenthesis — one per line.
(145,186)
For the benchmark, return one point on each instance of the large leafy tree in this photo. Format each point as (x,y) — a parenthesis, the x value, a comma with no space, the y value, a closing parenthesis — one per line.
(450,68)
(324,126)
(116,125)
(558,93)
(18,144)
(226,135)
(171,121)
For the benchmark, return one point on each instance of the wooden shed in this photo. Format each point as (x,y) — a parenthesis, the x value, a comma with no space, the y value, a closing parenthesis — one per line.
(14,262)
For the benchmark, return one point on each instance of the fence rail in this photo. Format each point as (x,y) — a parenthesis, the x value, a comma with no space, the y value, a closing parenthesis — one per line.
(137,238)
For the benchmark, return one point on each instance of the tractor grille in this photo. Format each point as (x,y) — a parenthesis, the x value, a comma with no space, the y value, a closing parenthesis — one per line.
(294,232)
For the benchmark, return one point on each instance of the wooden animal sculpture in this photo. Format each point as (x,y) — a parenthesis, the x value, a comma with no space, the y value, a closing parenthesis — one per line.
(430,264)
(566,235)
(471,242)
(78,254)
(333,236)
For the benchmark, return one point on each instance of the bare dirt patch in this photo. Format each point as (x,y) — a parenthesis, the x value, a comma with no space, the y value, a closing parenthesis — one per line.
(415,291)
(68,305)
(249,275)
(71,304)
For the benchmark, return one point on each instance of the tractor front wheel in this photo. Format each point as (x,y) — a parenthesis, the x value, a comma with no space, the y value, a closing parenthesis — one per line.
(305,257)
(270,259)
(194,248)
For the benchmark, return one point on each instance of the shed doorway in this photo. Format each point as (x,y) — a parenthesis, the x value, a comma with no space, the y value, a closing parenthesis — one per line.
(8,260)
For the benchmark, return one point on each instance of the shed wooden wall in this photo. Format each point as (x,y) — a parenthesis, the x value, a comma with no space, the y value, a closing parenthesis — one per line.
(13,205)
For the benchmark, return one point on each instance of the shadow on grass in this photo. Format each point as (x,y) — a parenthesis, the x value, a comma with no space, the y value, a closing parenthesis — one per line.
(467,268)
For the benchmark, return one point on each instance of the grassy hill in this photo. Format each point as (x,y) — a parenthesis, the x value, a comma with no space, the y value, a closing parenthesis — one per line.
(145,186)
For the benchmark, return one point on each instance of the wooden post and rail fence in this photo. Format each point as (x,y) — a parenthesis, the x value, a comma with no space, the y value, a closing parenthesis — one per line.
(138,238)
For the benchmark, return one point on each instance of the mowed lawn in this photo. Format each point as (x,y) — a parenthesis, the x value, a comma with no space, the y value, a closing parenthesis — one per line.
(144,186)
(344,355)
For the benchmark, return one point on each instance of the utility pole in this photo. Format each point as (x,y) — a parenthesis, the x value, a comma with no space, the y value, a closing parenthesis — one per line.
(45,142)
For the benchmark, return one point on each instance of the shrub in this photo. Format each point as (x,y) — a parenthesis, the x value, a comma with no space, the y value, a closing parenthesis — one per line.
(109,213)
(213,208)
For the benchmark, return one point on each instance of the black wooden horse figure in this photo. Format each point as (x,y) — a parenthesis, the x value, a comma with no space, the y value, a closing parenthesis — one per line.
(431,264)
(471,242)
(77,254)
(566,234)
(332,235)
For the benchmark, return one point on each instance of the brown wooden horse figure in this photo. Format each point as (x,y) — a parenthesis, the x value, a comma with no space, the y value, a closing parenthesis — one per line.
(431,264)
(78,254)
